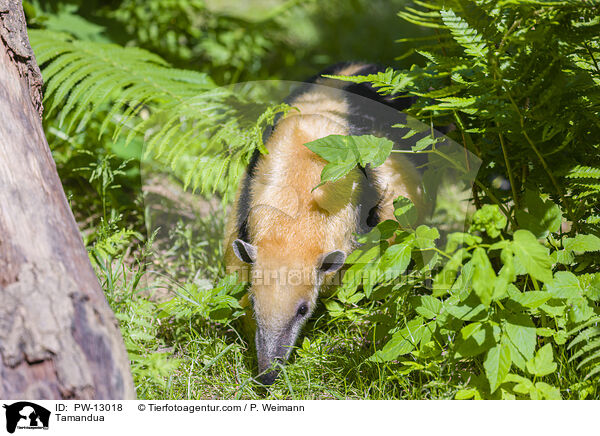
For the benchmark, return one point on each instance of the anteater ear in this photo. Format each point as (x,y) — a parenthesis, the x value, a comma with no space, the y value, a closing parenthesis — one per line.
(332,261)
(244,251)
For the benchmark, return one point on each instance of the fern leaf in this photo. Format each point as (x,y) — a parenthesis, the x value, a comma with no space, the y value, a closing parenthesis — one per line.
(584,172)
(467,37)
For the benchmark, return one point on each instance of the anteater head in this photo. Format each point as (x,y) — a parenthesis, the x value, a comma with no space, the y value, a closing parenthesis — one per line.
(284,290)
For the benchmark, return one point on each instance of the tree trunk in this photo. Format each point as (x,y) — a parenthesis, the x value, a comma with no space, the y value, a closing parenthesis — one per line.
(58,336)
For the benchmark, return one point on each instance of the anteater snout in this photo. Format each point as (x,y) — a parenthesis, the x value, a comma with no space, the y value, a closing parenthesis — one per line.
(268,378)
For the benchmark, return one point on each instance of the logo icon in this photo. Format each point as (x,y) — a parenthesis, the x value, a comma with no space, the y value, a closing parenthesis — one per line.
(26,415)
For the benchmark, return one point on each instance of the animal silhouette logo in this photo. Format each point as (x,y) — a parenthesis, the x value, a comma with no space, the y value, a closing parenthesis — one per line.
(26,415)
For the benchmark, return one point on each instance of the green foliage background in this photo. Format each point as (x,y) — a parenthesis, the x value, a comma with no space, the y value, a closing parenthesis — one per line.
(512,311)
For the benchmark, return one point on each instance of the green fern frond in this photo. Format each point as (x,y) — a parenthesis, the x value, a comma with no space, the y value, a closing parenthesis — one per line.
(466,36)
(388,82)
(586,346)
(187,123)
(584,172)
(73,69)
(420,20)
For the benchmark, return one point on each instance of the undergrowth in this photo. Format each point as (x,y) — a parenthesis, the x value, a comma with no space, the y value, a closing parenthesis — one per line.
(504,308)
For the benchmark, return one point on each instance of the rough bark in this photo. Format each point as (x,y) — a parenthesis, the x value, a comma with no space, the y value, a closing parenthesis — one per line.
(58,336)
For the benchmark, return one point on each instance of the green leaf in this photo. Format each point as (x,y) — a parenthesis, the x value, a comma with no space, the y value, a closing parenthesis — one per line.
(405,212)
(583,243)
(532,255)
(362,150)
(469,310)
(387,228)
(541,216)
(506,276)
(334,307)
(335,171)
(544,391)
(476,338)
(564,285)
(564,257)
(532,299)
(402,342)
(447,276)
(521,334)
(426,142)
(580,311)
(426,306)
(523,385)
(483,276)
(467,394)
(424,237)
(394,261)
(343,153)
(497,365)
(464,35)
(543,362)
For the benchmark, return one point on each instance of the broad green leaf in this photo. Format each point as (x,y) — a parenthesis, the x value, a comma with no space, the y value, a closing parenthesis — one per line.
(387,228)
(333,148)
(394,261)
(467,394)
(580,311)
(476,338)
(554,308)
(521,334)
(444,280)
(541,216)
(365,253)
(371,277)
(334,307)
(565,257)
(564,285)
(532,255)
(544,391)
(506,395)
(402,342)
(362,150)
(427,306)
(405,212)
(591,285)
(583,243)
(544,331)
(523,385)
(335,171)
(381,231)
(424,237)
(463,282)
(343,153)
(506,275)
(532,299)
(543,362)
(467,311)
(497,365)
(484,277)
(457,240)
(560,337)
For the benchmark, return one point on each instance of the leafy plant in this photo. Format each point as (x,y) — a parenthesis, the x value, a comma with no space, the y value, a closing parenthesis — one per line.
(506,309)
(518,83)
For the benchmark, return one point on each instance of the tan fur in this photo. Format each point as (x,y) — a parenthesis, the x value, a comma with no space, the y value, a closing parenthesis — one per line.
(293,226)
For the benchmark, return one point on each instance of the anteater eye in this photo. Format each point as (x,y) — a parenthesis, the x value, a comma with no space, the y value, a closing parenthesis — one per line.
(302,310)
